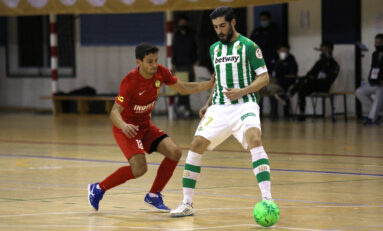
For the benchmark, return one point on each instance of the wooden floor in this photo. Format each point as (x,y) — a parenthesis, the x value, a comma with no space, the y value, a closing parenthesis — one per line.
(324,177)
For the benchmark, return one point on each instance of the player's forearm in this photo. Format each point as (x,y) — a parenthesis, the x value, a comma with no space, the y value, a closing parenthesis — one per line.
(195,87)
(116,118)
(261,81)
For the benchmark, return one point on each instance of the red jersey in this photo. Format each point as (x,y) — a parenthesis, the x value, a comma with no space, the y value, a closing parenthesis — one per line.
(138,95)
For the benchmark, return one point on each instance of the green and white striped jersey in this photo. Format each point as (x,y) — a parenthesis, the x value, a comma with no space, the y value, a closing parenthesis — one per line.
(236,66)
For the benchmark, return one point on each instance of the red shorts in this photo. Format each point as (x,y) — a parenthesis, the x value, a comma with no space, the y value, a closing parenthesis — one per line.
(146,140)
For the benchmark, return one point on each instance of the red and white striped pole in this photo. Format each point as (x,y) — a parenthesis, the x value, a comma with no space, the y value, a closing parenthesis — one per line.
(54,60)
(169,38)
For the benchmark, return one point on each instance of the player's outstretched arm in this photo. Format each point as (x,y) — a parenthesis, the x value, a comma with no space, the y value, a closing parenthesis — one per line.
(129,130)
(236,93)
(186,88)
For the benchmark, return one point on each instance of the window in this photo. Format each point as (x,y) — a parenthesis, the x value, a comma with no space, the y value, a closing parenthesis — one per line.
(28,46)
(340,21)
(122,29)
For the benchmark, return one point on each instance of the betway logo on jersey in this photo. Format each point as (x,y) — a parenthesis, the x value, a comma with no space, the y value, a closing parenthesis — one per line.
(227,59)
(139,109)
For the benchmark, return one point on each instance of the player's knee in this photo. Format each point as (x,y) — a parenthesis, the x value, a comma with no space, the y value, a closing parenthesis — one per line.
(359,92)
(199,144)
(194,144)
(176,153)
(139,170)
(254,140)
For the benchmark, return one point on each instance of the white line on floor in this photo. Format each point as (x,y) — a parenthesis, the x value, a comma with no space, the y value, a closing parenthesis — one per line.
(148,227)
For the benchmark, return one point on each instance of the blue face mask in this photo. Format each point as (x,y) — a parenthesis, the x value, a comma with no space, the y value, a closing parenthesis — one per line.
(264,24)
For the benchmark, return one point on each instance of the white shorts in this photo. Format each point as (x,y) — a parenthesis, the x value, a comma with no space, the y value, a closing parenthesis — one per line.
(221,121)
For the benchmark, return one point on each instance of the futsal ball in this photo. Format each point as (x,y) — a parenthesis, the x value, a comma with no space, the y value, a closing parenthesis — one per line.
(266,213)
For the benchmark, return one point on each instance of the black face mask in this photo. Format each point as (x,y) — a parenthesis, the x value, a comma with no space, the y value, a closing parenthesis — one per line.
(184,28)
(325,55)
(379,48)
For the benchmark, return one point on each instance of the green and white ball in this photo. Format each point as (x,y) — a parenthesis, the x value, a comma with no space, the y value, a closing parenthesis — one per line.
(266,213)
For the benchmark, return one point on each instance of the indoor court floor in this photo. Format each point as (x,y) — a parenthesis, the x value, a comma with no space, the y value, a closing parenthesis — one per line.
(325,176)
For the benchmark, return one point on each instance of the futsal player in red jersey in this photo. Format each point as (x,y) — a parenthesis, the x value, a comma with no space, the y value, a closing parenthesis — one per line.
(134,132)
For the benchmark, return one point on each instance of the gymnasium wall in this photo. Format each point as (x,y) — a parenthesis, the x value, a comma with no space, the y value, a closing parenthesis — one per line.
(305,33)
(103,66)
(99,67)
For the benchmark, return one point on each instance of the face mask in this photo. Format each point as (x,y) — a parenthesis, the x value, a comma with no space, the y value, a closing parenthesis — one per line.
(379,48)
(325,55)
(185,28)
(282,55)
(264,24)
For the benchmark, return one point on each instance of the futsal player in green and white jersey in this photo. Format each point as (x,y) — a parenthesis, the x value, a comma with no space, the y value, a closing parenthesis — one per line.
(240,72)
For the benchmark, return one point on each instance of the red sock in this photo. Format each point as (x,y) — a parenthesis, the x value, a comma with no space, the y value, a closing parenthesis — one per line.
(164,173)
(118,177)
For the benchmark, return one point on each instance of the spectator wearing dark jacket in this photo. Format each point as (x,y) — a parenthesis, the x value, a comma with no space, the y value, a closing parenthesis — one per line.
(318,79)
(267,37)
(283,72)
(285,67)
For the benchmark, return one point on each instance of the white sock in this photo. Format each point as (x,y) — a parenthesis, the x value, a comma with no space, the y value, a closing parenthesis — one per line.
(261,170)
(191,174)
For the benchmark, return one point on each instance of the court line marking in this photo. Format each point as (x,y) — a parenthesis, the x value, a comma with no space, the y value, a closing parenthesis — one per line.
(43,168)
(139,190)
(150,227)
(281,199)
(353,227)
(187,148)
(183,229)
(127,211)
(201,193)
(71,213)
(180,165)
(50,185)
(301,207)
(352,169)
(332,206)
(157,228)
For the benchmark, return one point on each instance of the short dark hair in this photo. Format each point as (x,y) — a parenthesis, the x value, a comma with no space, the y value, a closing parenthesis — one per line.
(379,36)
(221,11)
(285,45)
(144,49)
(182,17)
(266,14)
